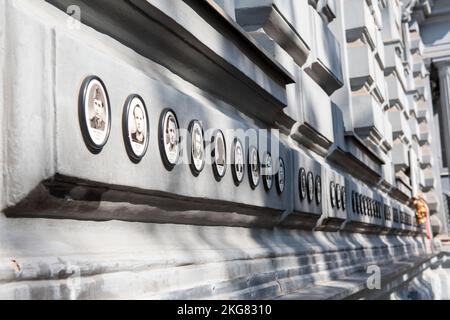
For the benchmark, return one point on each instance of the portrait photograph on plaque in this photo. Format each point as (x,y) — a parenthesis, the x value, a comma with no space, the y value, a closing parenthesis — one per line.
(196,145)
(364,205)
(361,204)
(136,129)
(94,113)
(254,167)
(338,196)
(169,138)
(237,161)
(267,171)
(354,202)
(318,190)
(280,176)
(310,186)
(302,183)
(344,199)
(219,154)
(332,194)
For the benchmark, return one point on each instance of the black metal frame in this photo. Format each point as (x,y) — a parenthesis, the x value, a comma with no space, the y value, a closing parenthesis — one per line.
(217,176)
(194,170)
(82,97)
(169,166)
(125,130)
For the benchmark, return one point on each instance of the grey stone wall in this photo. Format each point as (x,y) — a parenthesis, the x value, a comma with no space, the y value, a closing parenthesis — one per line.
(284,65)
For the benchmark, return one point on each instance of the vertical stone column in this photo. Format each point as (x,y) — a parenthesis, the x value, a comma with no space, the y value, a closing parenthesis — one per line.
(444,112)
(2,104)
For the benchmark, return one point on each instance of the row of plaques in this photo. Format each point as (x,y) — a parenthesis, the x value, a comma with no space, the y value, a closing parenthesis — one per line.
(398,216)
(365,205)
(310,188)
(338,196)
(95,122)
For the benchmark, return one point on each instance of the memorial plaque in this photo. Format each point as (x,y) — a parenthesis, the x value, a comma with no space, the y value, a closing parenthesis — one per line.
(302,183)
(310,188)
(318,189)
(374,208)
(254,171)
(365,206)
(360,204)
(219,155)
(237,161)
(387,213)
(280,176)
(169,138)
(332,194)
(337,190)
(94,113)
(267,171)
(354,202)
(196,143)
(135,127)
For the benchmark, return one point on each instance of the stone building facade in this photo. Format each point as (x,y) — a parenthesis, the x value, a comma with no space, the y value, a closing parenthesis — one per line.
(353,94)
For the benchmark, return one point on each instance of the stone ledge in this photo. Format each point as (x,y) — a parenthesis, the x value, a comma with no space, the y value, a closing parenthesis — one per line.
(118,260)
(355,285)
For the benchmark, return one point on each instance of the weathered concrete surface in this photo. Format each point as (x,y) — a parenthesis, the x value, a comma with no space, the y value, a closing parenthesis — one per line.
(432,284)
(66,259)
(356,285)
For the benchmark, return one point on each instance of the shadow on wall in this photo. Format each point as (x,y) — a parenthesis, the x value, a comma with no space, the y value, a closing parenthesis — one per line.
(434,34)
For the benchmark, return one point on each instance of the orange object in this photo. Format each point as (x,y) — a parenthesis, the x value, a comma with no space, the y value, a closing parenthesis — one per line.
(421,210)
(423,213)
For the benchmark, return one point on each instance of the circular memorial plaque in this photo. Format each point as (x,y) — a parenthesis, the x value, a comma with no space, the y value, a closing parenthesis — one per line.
(237,161)
(318,189)
(354,202)
(254,171)
(94,113)
(135,127)
(337,190)
(169,138)
(344,198)
(196,143)
(219,155)
(365,211)
(360,204)
(374,208)
(332,194)
(302,183)
(267,171)
(280,176)
(310,188)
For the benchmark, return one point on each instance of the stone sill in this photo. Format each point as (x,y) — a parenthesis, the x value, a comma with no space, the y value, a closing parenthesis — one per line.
(117,260)
(355,286)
